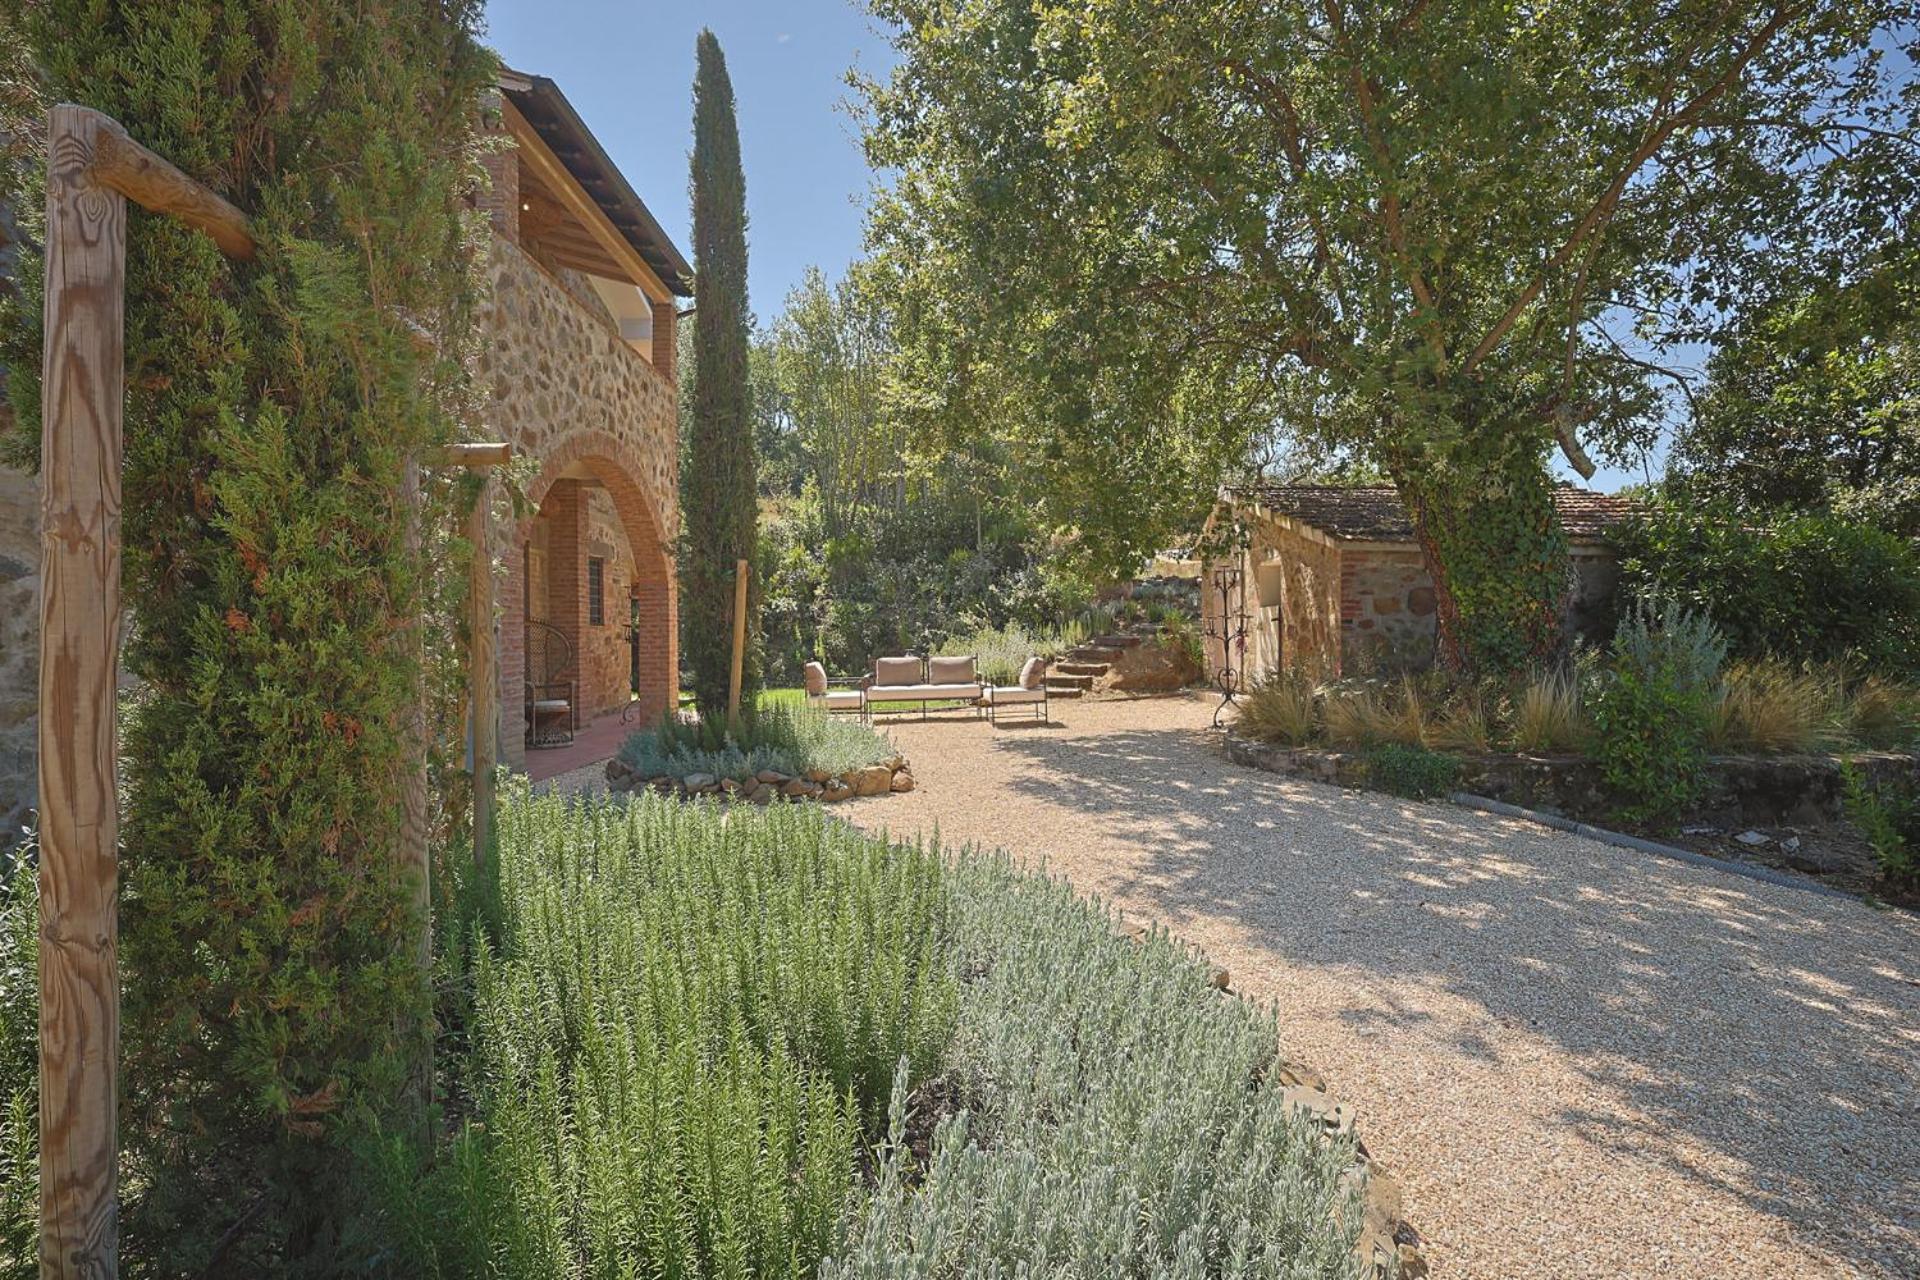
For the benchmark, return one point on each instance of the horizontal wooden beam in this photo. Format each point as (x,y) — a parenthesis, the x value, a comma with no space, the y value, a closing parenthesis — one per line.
(123,165)
(489,454)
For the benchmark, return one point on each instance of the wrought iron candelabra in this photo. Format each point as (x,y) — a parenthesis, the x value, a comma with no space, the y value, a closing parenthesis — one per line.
(1229,627)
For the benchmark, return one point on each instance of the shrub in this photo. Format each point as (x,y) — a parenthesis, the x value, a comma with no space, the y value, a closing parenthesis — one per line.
(1280,709)
(1410,771)
(1889,817)
(780,734)
(1548,714)
(19,1066)
(1183,635)
(1806,589)
(1120,1119)
(1466,722)
(689,1027)
(1883,714)
(1768,707)
(1650,709)
(1000,652)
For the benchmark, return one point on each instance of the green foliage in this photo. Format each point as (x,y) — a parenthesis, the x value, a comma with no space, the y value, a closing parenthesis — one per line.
(1651,707)
(718,499)
(1411,771)
(999,653)
(270,933)
(1120,1119)
(690,1024)
(1888,815)
(1807,588)
(949,561)
(1133,236)
(1813,400)
(775,735)
(19,1066)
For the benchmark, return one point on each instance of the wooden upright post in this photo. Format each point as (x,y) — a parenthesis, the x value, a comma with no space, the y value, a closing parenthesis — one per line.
(481,670)
(739,638)
(82,392)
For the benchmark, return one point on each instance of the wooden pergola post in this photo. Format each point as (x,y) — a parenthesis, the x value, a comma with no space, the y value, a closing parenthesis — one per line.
(82,378)
(483,672)
(92,169)
(739,639)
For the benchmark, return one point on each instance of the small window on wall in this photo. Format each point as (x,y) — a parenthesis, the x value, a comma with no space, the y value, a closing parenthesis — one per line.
(596,591)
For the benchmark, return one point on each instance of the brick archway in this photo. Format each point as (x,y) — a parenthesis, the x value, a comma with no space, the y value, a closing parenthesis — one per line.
(581,462)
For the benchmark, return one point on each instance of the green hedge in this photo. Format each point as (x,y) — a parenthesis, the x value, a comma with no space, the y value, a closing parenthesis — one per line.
(1806,588)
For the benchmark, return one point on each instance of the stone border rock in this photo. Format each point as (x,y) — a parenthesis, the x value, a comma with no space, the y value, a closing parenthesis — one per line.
(768,785)
(1388,1246)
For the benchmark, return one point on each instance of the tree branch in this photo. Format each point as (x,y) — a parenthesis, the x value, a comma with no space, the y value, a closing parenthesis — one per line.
(1653,138)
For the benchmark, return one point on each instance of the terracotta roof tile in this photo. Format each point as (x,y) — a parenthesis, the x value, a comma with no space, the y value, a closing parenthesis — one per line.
(1373,513)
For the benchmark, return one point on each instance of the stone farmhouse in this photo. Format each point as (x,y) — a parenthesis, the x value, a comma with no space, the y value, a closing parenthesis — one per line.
(578,360)
(1330,578)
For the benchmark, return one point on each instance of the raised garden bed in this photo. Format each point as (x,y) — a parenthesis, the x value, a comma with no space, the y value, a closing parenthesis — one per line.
(1784,811)
(764,786)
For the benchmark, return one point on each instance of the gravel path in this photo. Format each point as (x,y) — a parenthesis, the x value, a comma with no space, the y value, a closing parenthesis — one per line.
(1579,1061)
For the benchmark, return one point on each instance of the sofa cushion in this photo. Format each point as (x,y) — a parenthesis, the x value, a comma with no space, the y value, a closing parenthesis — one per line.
(1034,674)
(843,700)
(920,692)
(815,677)
(1007,694)
(896,671)
(950,670)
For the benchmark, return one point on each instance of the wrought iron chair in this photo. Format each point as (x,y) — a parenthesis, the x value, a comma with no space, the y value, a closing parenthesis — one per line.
(552,686)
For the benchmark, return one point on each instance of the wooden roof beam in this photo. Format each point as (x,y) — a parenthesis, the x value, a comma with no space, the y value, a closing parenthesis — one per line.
(554,175)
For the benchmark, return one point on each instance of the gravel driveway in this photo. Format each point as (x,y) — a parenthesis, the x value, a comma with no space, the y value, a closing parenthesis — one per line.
(1579,1061)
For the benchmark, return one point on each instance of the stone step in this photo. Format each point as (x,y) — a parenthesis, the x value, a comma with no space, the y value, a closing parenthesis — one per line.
(1091,653)
(1059,684)
(1082,668)
(1119,640)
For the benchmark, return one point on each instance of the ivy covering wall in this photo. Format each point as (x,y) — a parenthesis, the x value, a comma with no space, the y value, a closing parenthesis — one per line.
(276,1003)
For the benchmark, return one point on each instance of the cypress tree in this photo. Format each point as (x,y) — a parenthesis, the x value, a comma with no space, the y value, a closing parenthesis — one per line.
(718,491)
(274,1002)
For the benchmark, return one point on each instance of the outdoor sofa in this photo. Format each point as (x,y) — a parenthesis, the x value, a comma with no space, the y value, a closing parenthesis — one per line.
(904,680)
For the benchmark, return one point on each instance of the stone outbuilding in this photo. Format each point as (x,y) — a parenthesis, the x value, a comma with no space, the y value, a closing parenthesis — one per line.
(1331,579)
(578,361)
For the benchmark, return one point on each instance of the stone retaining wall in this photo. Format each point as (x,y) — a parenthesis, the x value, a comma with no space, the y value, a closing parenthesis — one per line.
(1742,791)
(770,784)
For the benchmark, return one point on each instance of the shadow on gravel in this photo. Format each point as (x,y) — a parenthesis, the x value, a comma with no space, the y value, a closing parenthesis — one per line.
(1698,995)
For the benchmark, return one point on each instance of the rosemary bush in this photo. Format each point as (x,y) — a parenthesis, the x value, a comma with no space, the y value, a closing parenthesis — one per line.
(687,1025)
(19,1065)
(1118,1120)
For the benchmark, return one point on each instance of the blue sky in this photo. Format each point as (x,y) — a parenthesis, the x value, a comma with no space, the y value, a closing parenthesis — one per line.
(628,70)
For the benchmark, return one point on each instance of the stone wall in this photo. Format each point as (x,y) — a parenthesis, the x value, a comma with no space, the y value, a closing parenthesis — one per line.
(1386,610)
(19,649)
(1302,631)
(584,406)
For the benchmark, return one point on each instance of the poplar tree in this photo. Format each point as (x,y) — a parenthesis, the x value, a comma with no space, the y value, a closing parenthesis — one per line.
(718,497)
(276,1005)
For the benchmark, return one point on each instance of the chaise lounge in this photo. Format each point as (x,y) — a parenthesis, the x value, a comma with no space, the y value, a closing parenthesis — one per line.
(1030,692)
(903,681)
(822,694)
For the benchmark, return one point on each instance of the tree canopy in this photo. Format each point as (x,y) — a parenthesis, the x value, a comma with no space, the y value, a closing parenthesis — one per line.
(1135,241)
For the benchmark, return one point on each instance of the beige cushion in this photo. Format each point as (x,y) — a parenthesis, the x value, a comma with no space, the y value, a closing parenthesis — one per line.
(896,671)
(1001,694)
(950,670)
(1034,674)
(815,677)
(842,700)
(919,692)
